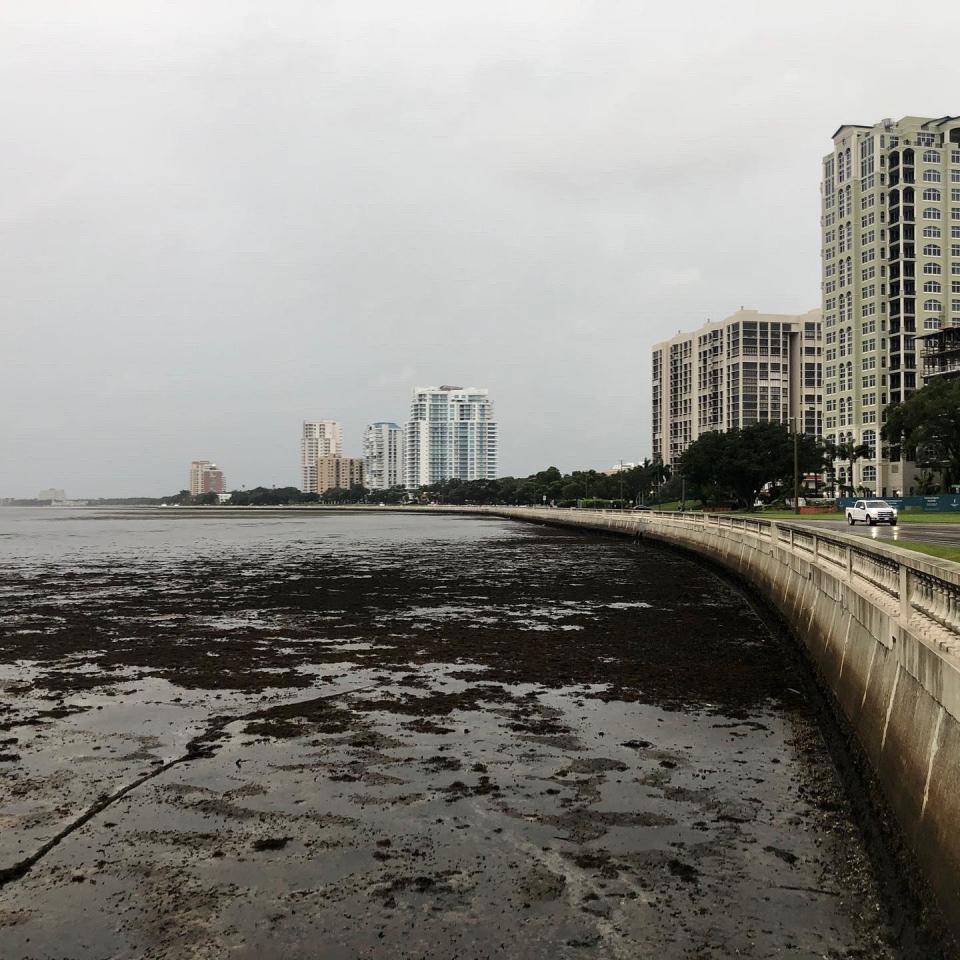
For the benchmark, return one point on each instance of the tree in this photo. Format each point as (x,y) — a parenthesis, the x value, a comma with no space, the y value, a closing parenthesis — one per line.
(929,420)
(850,453)
(737,464)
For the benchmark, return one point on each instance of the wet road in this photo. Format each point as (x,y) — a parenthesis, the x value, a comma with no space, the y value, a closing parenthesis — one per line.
(943,533)
(408,736)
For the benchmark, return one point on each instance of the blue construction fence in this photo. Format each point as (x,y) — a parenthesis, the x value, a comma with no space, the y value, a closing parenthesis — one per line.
(946,503)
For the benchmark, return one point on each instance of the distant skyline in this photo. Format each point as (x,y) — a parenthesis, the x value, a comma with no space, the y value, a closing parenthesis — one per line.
(220,219)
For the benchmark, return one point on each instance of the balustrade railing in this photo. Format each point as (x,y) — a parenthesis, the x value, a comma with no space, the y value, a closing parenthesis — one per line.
(917,589)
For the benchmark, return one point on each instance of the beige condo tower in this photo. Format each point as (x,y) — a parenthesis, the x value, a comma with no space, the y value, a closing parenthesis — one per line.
(748,368)
(890,226)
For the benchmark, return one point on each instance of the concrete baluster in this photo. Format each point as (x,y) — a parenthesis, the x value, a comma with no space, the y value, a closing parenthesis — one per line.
(904,592)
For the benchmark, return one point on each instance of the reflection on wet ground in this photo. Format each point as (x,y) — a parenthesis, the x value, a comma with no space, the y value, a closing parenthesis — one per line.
(405,736)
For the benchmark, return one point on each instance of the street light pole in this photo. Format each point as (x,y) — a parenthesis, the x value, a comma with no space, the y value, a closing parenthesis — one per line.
(621,484)
(796,468)
(903,464)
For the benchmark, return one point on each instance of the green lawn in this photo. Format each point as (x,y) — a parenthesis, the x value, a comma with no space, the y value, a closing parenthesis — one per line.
(918,516)
(940,550)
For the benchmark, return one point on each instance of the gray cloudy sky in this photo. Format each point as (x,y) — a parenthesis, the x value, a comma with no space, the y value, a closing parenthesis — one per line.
(218,218)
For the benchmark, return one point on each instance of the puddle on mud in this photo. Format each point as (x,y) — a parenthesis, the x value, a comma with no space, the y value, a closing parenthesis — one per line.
(422,737)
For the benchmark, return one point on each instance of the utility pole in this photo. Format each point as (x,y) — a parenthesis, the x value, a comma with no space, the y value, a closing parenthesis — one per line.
(796,467)
(683,493)
(621,483)
(903,464)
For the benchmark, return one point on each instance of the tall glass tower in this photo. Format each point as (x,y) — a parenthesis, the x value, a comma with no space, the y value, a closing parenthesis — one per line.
(451,433)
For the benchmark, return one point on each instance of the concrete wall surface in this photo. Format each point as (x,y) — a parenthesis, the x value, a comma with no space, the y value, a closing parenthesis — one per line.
(882,627)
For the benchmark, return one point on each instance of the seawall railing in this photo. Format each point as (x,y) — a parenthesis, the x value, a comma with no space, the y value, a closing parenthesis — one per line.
(917,586)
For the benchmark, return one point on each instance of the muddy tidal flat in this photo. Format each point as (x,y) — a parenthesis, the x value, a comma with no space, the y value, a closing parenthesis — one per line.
(269,734)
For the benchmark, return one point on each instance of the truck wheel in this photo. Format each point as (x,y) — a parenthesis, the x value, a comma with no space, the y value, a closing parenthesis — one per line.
(872,521)
(850,520)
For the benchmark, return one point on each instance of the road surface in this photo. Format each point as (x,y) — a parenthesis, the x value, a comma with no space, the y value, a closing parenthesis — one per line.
(944,533)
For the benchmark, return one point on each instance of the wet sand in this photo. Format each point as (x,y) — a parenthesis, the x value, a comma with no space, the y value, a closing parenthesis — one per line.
(409,736)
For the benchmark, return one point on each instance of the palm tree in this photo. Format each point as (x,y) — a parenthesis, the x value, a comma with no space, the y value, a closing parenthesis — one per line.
(849,452)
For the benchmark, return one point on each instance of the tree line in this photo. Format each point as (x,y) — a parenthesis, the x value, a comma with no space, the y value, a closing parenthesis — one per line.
(737,466)
(733,468)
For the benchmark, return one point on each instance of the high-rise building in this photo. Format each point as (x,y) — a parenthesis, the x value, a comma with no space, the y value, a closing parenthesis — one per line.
(383,456)
(451,433)
(206,477)
(890,222)
(748,368)
(320,438)
(338,472)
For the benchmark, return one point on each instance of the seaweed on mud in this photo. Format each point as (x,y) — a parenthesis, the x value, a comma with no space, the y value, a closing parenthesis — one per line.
(299,718)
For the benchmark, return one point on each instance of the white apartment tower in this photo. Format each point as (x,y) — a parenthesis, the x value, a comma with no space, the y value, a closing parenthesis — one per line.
(890,222)
(320,438)
(748,368)
(383,456)
(451,433)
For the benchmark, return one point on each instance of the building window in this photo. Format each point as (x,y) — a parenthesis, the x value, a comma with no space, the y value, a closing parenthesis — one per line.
(931,176)
(931,250)
(931,232)
(931,195)
(931,156)
(932,286)
(931,213)
(931,268)
(933,306)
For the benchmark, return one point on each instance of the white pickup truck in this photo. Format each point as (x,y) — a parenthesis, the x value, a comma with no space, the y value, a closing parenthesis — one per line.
(872,512)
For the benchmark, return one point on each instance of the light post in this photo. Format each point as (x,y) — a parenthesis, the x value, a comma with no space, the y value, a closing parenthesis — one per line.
(903,463)
(796,468)
(621,484)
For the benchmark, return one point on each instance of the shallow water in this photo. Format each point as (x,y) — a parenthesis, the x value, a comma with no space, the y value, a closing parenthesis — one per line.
(406,736)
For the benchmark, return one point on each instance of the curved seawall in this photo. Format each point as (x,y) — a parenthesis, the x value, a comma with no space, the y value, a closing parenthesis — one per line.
(881,626)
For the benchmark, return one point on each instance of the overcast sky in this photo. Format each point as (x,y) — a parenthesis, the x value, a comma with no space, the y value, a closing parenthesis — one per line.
(219,218)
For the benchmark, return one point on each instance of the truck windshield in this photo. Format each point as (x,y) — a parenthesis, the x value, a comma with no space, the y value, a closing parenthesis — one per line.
(877,503)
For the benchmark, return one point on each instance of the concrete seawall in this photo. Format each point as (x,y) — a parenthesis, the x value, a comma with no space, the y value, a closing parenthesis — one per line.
(882,628)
